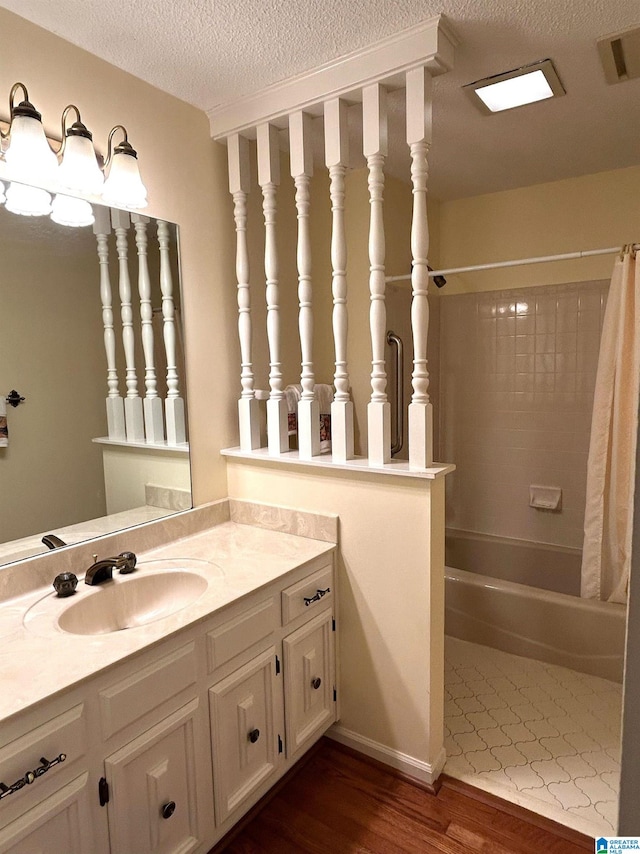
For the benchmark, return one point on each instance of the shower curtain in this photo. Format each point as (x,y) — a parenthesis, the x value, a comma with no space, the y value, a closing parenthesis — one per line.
(608,520)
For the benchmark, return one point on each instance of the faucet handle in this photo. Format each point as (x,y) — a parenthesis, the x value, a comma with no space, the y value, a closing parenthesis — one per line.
(128,563)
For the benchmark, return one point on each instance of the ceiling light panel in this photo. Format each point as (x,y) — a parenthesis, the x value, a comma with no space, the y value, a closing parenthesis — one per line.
(526,85)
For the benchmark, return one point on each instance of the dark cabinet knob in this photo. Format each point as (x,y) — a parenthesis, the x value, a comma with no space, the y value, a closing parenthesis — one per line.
(254,735)
(168,809)
(316,683)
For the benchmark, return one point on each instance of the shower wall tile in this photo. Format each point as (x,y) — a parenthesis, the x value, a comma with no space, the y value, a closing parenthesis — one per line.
(516,378)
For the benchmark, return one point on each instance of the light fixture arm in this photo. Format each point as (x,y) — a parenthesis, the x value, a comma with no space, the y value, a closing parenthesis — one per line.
(63,123)
(124,146)
(12,96)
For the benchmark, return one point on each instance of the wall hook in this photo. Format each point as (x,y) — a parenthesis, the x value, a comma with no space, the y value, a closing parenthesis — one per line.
(14,398)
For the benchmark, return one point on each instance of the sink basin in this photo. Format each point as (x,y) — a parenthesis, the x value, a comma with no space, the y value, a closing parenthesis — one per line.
(126,604)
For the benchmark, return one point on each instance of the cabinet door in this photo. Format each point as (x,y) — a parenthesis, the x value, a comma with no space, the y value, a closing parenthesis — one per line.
(58,825)
(152,785)
(244,712)
(309,681)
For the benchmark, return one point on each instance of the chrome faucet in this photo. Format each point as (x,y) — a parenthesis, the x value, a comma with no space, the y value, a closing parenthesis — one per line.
(102,570)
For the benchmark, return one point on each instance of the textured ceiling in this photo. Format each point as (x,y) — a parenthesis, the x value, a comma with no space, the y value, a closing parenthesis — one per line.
(208,52)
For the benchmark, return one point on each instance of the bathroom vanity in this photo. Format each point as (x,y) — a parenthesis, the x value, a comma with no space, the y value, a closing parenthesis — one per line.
(158,738)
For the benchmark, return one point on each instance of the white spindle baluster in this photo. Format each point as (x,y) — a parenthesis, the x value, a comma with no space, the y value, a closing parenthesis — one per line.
(336,142)
(301,154)
(133,416)
(374,125)
(174,404)
(115,406)
(418,94)
(239,186)
(269,178)
(151,405)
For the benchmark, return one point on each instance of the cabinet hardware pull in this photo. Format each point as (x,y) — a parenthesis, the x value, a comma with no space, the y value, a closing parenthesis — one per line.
(254,735)
(168,809)
(316,683)
(30,776)
(320,593)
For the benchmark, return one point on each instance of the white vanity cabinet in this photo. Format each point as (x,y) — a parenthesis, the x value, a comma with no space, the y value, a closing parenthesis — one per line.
(155,796)
(167,749)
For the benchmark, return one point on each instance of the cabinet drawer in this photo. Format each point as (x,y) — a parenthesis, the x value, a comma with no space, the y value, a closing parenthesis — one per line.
(312,593)
(242,632)
(64,734)
(146,689)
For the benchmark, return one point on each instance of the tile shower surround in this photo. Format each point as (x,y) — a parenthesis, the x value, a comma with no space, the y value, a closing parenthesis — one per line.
(517,373)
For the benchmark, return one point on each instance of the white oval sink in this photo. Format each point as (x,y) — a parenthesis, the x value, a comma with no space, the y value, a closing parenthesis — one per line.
(136,601)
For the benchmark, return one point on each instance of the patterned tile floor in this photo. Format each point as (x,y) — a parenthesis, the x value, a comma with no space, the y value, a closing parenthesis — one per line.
(539,735)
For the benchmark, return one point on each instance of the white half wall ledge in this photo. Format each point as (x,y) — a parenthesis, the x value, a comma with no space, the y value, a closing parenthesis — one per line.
(429,44)
(425,772)
(325,462)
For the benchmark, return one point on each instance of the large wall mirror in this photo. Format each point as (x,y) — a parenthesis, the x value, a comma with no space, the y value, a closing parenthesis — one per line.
(60,472)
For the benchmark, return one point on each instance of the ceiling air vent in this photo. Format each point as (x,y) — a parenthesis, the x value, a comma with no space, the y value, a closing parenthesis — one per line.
(620,55)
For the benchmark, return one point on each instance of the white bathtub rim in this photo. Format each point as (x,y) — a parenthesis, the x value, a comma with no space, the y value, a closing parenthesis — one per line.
(513,588)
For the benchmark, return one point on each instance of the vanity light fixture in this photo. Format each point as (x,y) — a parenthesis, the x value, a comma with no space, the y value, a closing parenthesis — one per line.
(78,170)
(32,160)
(526,85)
(123,187)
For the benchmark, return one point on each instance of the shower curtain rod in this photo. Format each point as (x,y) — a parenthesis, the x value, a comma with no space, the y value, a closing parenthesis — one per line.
(567,256)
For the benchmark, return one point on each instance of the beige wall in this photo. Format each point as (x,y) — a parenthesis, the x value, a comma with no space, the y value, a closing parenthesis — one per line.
(592,212)
(186,176)
(391,599)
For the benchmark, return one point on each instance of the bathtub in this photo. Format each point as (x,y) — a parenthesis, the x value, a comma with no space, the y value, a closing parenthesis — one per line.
(582,634)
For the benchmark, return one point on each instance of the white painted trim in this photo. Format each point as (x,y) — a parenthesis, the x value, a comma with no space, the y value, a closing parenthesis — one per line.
(356,466)
(423,771)
(428,44)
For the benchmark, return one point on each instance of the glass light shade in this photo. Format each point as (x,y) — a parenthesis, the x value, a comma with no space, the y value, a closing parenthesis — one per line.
(79,169)
(29,157)
(2,195)
(124,188)
(72,212)
(27,201)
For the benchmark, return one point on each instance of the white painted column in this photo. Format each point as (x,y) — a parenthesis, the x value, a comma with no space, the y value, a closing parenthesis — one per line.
(151,405)
(301,158)
(114,403)
(174,404)
(269,178)
(336,148)
(374,134)
(418,95)
(239,186)
(134,420)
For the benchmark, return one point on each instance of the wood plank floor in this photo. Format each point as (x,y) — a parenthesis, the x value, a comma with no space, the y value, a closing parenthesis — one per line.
(339,802)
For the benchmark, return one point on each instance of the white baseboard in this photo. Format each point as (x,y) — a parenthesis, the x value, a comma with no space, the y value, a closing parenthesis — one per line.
(424,771)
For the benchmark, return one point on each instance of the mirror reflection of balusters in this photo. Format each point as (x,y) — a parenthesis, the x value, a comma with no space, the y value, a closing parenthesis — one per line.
(152,405)
(174,404)
(133,416)
(114,402)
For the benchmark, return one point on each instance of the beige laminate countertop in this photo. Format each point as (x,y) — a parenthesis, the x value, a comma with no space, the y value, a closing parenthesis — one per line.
(39,662)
